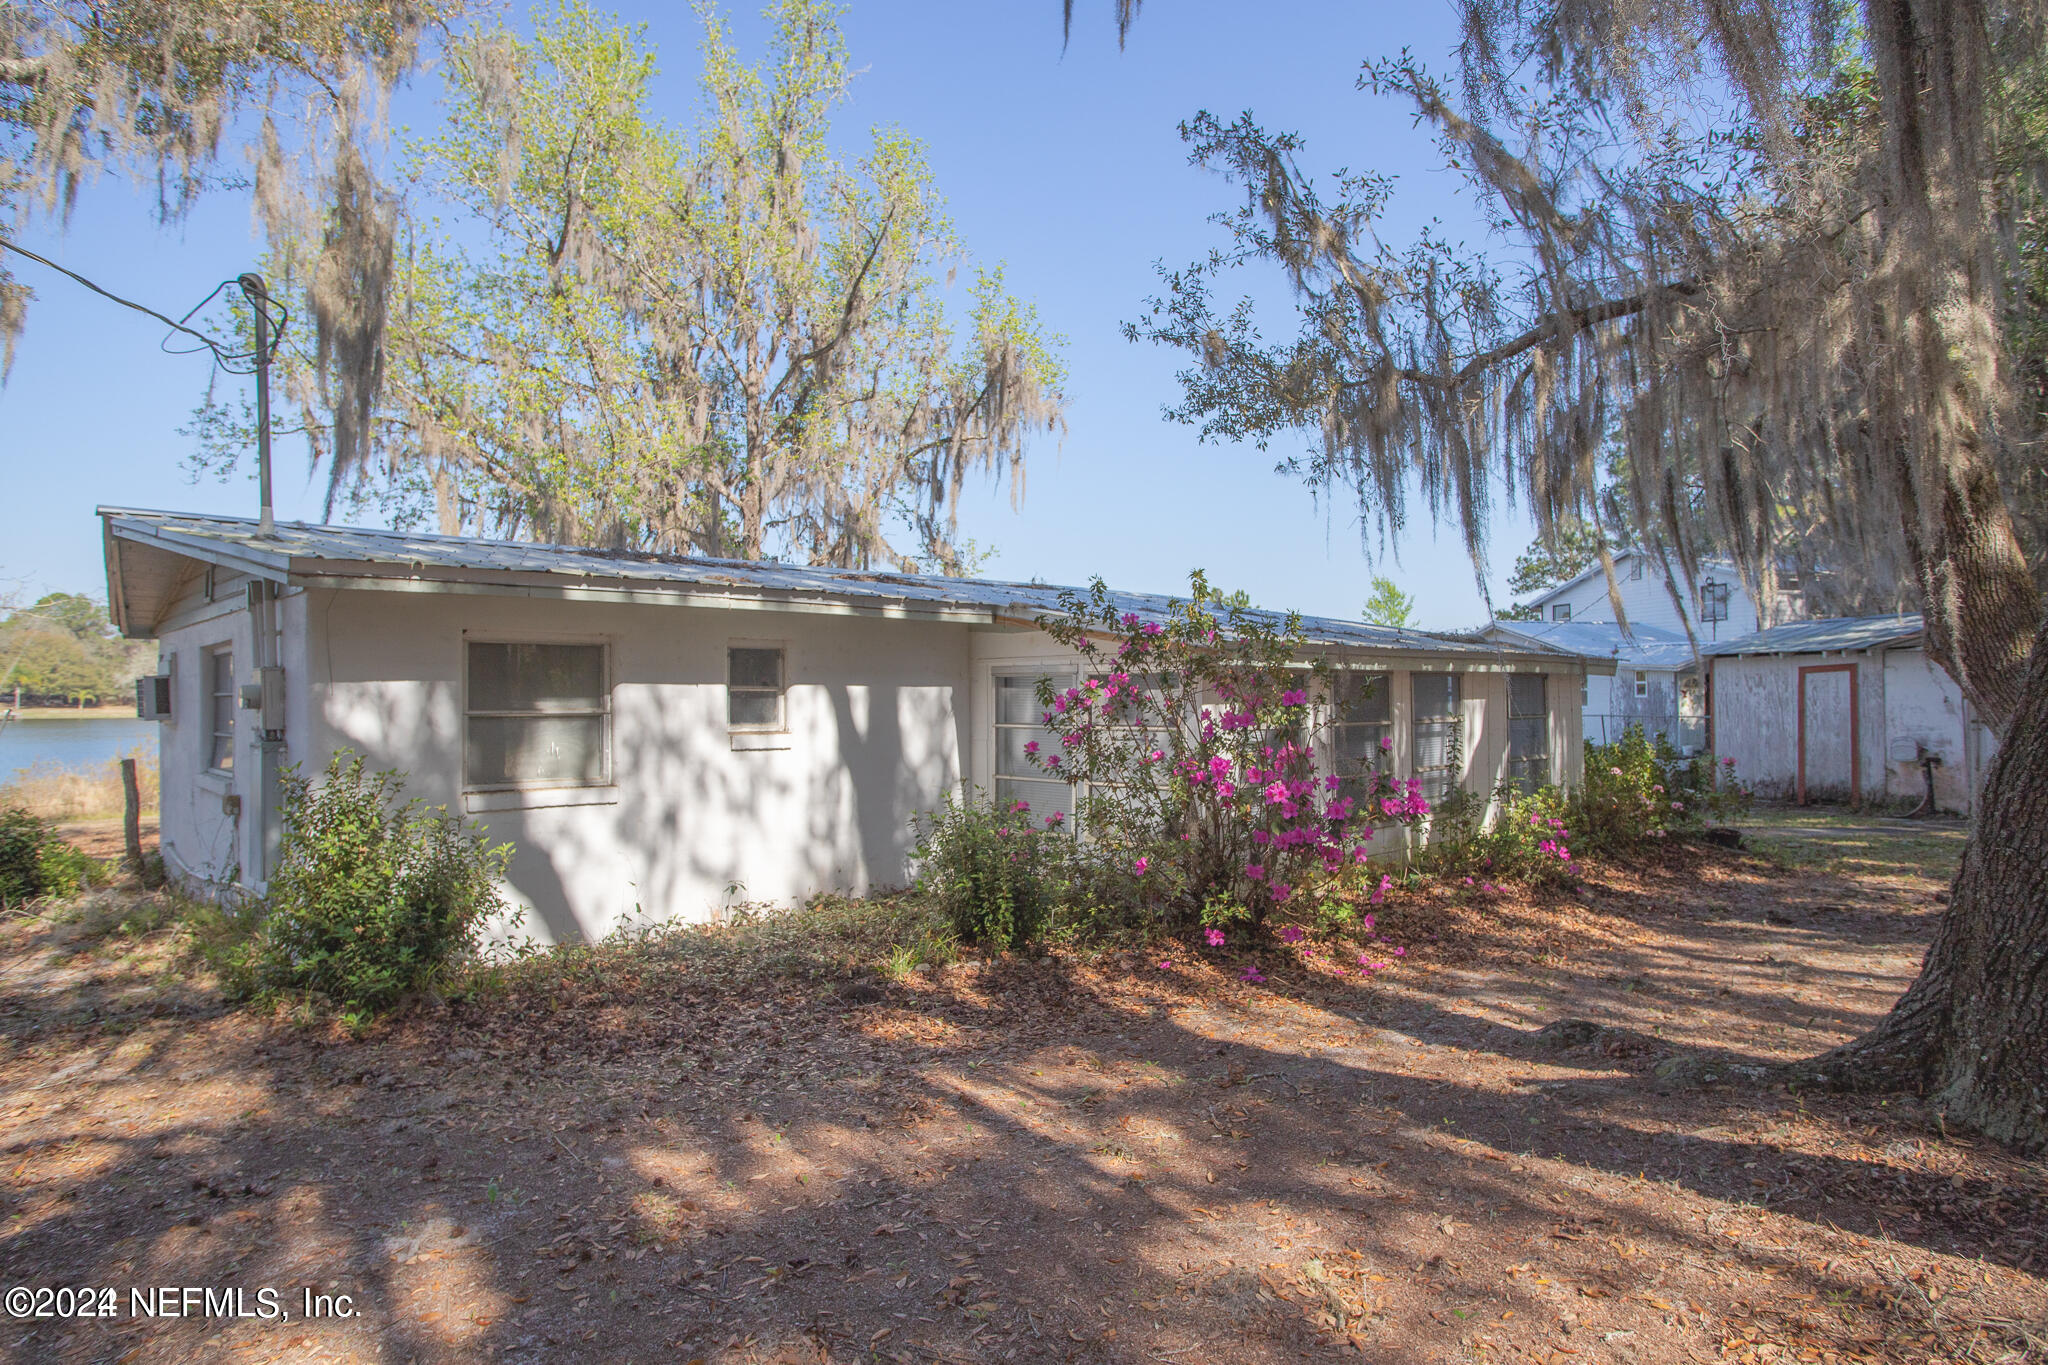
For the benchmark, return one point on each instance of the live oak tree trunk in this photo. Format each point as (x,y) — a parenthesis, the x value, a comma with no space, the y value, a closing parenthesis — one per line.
(1972,1032)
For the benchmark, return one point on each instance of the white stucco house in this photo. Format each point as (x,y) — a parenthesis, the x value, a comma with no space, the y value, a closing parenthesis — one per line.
(1655,642)
(663,737)
(1845,708)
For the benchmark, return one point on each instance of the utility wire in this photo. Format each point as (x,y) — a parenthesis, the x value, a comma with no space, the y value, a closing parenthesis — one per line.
(234,362)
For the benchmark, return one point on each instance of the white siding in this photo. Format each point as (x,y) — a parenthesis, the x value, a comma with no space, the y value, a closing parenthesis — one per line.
(692,823)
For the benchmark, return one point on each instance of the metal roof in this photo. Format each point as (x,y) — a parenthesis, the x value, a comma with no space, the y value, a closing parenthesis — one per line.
(1644,647)
(338,556)
(1830,633)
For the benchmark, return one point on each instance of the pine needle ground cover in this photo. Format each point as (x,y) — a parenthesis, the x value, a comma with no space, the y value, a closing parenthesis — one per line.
(868,1150)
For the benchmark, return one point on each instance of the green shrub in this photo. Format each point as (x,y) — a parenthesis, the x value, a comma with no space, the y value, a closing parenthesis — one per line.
(1636,791)
(371,900)
(993,870)
(35,862)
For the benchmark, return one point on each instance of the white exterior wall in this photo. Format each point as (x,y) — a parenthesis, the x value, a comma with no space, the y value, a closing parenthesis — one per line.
(202,839)
(1756,718)
(1649,603)
(695,819)
(1923,708)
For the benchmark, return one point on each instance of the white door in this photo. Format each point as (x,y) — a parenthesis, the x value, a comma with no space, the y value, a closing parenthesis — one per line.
(1827,733)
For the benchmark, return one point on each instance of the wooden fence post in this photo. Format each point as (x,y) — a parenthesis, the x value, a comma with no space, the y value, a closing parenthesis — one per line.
(131,817)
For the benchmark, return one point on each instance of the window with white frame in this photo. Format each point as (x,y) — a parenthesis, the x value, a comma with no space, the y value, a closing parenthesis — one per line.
(1361,730)
(1438,741)
(755,693)
(1642,685)
(1561,611)
(220,708)
(1022,733)
(537,715)
(1528,731)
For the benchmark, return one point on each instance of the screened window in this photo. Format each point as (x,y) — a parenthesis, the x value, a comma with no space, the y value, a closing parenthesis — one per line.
(1528,731)
(754,689)
(539,715)
(1642,684)
(220,709)
(1018,724)
(1437,755)
(1362,731)
(1713,602)
(1562,611)
(1635,567)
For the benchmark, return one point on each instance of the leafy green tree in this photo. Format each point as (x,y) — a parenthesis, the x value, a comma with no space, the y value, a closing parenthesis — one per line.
(719,340)
(65,646)
(1388,605)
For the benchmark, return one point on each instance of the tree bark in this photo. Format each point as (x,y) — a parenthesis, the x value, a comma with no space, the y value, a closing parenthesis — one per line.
(1972,1031)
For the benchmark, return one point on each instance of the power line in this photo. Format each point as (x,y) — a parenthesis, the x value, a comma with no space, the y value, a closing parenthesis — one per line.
(234,362)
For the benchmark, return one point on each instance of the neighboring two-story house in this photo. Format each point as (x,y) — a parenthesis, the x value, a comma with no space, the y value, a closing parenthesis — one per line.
(1657,678)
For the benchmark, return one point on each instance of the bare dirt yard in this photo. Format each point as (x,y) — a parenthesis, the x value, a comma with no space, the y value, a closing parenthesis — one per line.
(673,1152)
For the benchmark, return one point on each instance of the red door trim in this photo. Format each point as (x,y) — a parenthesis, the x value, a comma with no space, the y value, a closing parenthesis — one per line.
(1855,731)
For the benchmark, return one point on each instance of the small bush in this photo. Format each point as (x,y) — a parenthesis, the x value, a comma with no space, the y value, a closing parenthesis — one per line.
(1637,791)
(35,863)
(993,870)
(371,900)
(1529,841)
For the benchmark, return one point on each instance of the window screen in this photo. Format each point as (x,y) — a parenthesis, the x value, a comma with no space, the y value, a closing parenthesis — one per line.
(1528,731)
(1437,759)
(538,716)
(753,688)
(220,709)
(1018,723)
(1363,730)
(1561,612)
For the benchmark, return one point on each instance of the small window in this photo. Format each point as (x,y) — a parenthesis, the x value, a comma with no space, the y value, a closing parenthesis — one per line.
(1362,735)
(1713,602)
(1642,684)
(538,716)
(1021,734)
(1635,568)
(1438,755)
(1561,612)
(220,709)
(1528,731)
(754,689)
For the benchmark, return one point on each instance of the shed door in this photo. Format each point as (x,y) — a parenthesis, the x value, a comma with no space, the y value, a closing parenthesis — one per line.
(1827,730)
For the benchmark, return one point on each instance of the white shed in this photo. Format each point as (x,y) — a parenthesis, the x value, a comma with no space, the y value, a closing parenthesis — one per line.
(1847,708)
(662,737)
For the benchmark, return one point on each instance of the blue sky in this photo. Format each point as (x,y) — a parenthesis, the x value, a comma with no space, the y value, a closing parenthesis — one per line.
(1067,166)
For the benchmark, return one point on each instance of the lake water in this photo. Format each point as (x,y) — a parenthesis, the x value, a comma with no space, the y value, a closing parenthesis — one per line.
(81,743)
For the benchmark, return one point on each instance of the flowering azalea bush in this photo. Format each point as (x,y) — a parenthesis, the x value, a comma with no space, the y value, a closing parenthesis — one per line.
(993,868)
(1529,841)
(1192,735)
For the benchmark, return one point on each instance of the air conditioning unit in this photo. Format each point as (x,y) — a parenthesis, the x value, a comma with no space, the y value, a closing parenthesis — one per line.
(153,697)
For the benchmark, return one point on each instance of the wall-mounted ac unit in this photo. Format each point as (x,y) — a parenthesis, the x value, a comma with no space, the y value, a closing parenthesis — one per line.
(153,697)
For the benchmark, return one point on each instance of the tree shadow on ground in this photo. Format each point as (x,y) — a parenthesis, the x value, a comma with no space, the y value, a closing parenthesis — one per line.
(1031,1160)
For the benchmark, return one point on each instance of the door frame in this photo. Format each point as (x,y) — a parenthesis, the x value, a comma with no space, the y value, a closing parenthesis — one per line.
(1855,731)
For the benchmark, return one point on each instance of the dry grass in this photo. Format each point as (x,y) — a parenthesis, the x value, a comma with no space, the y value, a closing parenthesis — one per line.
(54,791)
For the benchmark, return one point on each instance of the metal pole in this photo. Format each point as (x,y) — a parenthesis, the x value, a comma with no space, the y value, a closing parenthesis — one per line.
(258,295)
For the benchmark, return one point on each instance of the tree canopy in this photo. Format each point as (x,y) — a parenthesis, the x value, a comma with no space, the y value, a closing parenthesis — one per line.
(720,340)
(65,647)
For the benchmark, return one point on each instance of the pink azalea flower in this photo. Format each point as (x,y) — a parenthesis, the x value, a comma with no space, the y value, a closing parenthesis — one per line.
(1255,871)
(1400,952)
(1167,965)
(1293,933)
(1153,628)
(1251,974)
(1030,746)
(1366,924)
(1386,744)
(1294,698)
(1215,937)
(1140,866)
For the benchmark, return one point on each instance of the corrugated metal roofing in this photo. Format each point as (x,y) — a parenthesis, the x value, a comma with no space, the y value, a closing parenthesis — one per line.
(299,550)
(1645,647)
(1829,633)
